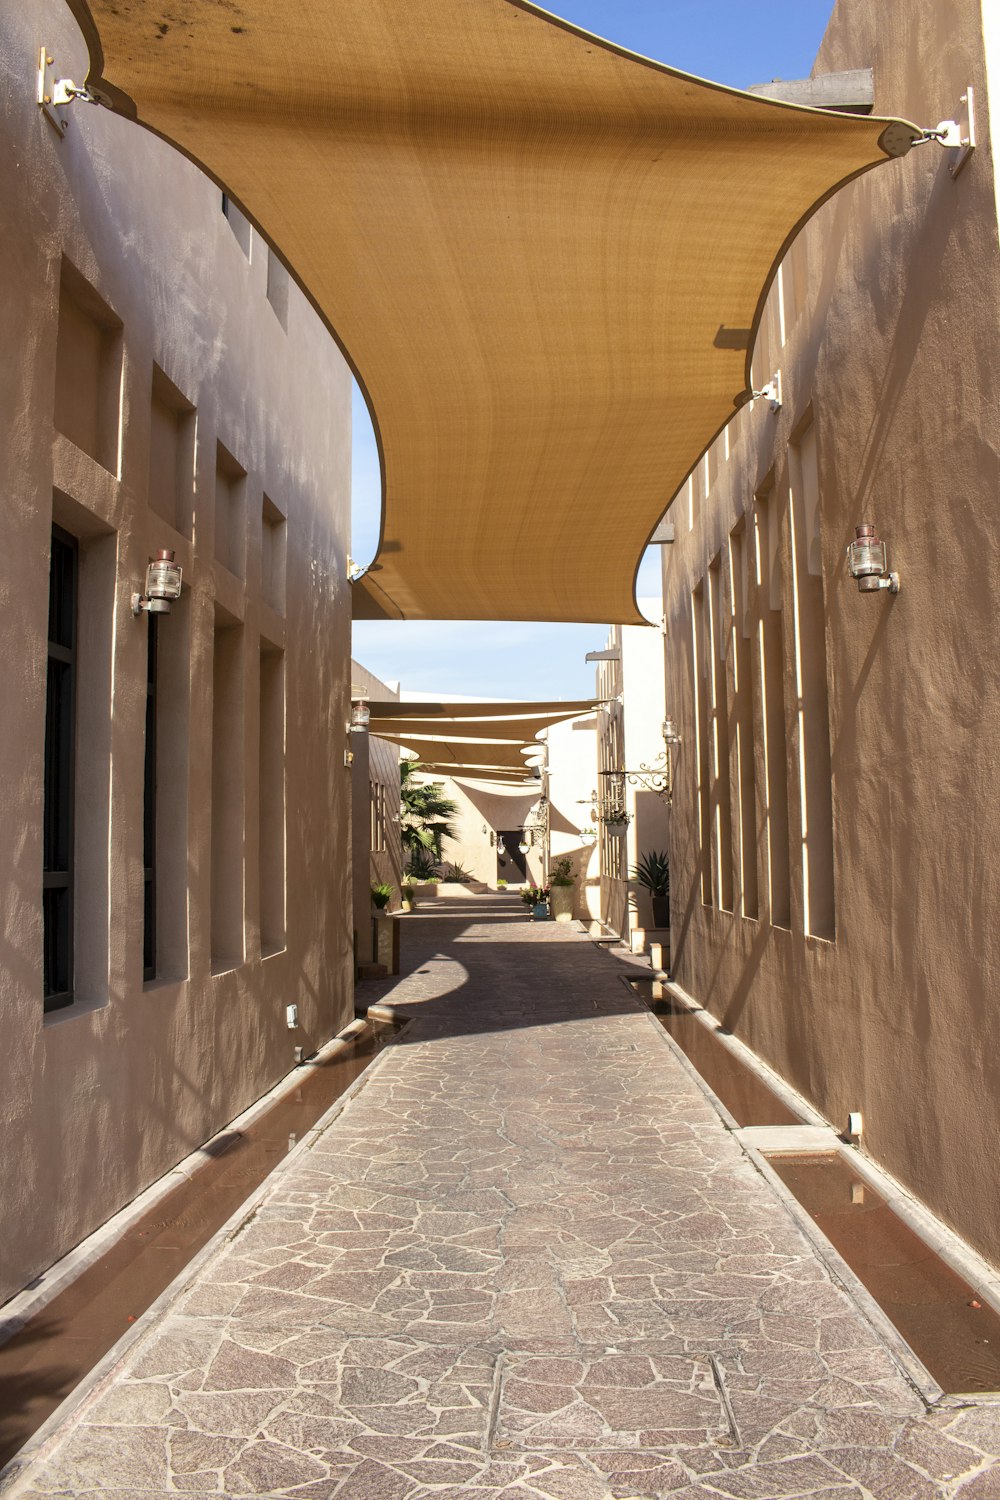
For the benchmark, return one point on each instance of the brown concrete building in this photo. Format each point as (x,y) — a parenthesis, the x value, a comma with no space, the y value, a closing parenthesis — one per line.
(836,819)
(174,856)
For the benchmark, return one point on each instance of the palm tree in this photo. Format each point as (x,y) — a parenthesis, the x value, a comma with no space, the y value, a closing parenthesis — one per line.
(427,814)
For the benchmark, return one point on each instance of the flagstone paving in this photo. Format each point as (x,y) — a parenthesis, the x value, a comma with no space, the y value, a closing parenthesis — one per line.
(525,1259)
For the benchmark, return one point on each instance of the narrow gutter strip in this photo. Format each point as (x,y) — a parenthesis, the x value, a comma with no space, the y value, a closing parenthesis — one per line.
(796,1102)
(103,1373)
(910,1366)
(36,1296)
(959,1256)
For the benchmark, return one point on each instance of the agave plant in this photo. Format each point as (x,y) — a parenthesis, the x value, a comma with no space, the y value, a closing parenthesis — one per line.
(421,864)
(653,872)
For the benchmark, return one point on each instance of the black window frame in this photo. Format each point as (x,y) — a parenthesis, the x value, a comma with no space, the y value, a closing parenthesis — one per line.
(59,785)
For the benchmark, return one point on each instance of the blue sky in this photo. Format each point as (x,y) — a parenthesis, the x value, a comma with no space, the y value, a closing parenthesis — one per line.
(730,41)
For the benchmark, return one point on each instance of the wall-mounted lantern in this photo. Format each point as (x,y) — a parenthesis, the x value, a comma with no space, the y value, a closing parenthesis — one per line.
(163,585)
(868,562)
(360,716)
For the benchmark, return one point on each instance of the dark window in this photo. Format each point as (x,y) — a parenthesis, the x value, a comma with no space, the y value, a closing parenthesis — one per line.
(60,759)
(149,812)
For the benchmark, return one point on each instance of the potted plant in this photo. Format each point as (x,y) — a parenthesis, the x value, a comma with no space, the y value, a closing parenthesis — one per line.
(501,884)
(653,874)
(381,895)
(537,898)
(408,893)
(561,898)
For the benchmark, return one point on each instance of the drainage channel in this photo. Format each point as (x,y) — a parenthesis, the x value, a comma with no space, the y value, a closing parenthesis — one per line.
(953,1332)
(747,1097)
(45,1360)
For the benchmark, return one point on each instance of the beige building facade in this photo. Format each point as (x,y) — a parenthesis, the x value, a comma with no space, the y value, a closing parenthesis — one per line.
(632,816)
(174,855)
(836,816)
(489,829)
(376,846)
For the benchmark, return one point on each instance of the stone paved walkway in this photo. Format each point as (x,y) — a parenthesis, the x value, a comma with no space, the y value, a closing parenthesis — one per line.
(526,1259)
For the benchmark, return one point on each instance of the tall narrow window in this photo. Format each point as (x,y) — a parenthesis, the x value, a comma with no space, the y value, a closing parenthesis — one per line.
(272,555)
(277,288)
(88,370)
(149,811)
(169,734)
(239,224)
(60,757)
(228,798)
(742,672)
(772,693)
(272,799)
(230,512)
(171,453)
(703,741)
(379,820)
(722,813)
(813,717)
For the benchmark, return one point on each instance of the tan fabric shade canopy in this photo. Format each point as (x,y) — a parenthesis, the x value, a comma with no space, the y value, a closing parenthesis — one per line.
(549,712)
(483,773)
(520,725)
(544,257)
(463,752)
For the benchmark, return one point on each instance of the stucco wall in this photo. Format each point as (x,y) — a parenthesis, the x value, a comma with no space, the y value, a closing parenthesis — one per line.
(885,332)
(572,778)
(630,735)
(484,811)
(102,1097)
(376,764)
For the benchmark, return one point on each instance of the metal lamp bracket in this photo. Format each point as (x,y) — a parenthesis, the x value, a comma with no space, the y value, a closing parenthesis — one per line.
(54,94)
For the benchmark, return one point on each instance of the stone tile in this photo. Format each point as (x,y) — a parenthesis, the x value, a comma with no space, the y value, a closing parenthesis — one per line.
(525,1260)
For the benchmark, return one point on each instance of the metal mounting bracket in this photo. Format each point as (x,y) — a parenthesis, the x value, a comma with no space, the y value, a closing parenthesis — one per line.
(771,393)
(958,135)
(54,94)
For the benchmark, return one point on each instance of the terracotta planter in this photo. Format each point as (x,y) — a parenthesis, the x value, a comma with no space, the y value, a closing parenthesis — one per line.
(561,901)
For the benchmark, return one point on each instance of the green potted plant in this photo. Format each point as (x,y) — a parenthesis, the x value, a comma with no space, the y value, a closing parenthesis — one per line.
(408,893)
(381,895)
(653,874)
(536,898)
(501,884)
(561,897)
